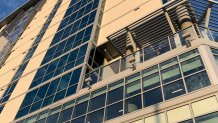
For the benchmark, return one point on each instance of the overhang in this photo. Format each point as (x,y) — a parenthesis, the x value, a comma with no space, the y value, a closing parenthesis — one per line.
(164,22)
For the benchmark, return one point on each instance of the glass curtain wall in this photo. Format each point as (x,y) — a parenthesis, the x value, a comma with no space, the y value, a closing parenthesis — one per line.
(159,83)
(64,58)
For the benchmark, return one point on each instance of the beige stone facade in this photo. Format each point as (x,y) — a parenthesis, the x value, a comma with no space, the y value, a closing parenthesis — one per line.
(118,15)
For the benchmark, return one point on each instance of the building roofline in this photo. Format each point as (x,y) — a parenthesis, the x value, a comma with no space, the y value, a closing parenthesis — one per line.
(13,14)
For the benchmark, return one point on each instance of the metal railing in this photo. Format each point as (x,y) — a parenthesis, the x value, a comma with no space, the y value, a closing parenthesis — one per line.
(153,50)
(208,33)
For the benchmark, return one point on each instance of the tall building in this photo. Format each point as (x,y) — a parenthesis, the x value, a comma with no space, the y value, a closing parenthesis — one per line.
(110,61)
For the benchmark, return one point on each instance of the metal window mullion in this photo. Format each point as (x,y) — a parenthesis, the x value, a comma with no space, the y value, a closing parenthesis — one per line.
(161,83)
(67,26)
(58,113)
(208,30)
(71,117)
(124,94)
(40,85)
(169,42)
(90,94)
(61,42)
(181,72)
(99,74)
(47,91)
(120,61)
(105,105)
(193,28)
(143,54)
(87,54)
(142,97)
(197,27)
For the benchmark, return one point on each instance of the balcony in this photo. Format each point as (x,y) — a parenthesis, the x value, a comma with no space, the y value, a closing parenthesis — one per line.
(156,34)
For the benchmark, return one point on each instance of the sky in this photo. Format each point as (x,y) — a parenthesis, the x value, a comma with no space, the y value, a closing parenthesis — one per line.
(8,6)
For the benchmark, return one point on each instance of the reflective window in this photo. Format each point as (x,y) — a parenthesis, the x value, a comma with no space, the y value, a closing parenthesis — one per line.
(170,74)
(52,92)
(65,115)
(174,89)
(133,88)
(41,121)
(31,119)
(150,70)
(187,121)
(189,55)
(133,104)
(52,118)
(14,34)
(160,83)
(43,115)
(81,106)
(114,110)
(197,81)
(97,101)
(152,97)
(209,118)
(132,78)
(119,95)
(79,120)
(168,63)
(192,65)
(95,117)
(151,81)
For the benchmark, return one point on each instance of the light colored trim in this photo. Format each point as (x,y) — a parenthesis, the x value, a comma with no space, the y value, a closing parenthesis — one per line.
(207,18)
(170,22)
(209,62)
(132,40)
(175,102)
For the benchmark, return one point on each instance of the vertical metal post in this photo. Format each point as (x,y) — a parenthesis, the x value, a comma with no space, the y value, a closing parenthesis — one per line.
(132,41)
(168,38)
(170,22)
(176,37)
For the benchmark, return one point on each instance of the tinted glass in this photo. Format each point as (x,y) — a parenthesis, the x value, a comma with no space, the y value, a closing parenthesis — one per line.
(174,89)
(209,118)
(80,109)
(95,117)
(52,118)
(115,110)
(115,95)
(133,88)
(151,81)
(187,121)
(192,65)
(133,104)
(41,121)
(65,115)
(197,81)
(97,102)
(152,97)
(79,120)
(170,74)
